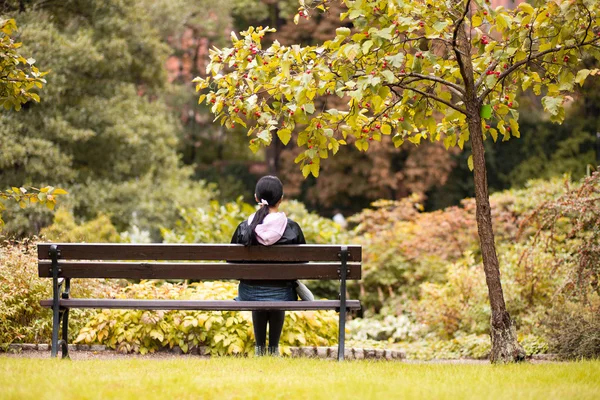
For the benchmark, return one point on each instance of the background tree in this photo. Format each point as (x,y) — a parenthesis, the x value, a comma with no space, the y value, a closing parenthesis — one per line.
(104,130)
(18,82)
(441,71)
(20,78)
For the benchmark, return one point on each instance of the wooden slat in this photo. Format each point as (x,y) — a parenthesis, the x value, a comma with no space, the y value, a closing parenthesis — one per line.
(197,252)
(154,270)
(208,305)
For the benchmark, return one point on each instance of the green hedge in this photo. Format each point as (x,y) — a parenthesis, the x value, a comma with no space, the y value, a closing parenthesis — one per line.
(224,332)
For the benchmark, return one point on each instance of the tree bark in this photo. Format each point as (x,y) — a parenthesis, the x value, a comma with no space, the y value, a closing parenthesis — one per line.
(505,346)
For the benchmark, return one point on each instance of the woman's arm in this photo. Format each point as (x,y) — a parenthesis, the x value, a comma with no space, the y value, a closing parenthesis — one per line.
(237,235)
(299,234)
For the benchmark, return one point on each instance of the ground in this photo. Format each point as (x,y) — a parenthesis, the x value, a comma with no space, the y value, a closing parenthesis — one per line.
(169,376)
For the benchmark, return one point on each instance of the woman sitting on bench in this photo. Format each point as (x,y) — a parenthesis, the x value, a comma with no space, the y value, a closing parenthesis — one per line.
(268,226)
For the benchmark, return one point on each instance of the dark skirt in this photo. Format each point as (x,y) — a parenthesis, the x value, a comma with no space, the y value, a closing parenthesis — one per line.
(249,292)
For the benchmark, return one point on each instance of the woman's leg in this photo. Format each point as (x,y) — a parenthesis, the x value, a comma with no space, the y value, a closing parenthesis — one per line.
(276,319)
(259,323)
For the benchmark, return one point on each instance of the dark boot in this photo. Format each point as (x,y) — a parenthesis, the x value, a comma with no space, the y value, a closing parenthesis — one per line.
(274,351)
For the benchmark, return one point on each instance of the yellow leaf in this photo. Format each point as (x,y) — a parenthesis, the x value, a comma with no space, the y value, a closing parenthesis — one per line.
(284,135)
(470,162)
(314,169)
(306,170)
(59,191)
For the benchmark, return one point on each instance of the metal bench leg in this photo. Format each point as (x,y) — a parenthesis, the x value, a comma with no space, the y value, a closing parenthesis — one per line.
(56,314)
(65,322)
(55,326)
(63,343)
(342,325)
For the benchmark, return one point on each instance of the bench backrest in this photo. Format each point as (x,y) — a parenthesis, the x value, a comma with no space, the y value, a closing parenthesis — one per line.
(198,261)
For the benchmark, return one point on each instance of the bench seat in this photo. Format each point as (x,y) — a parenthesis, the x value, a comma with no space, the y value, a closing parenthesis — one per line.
(205,305)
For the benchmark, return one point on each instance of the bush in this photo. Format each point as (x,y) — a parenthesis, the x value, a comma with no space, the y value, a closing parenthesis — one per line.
(216,223)
(466,346)
(150,202)
(224,332)
(66,230)
(22,319)
(316,228)
(458,305)
(574,331)
(390,328)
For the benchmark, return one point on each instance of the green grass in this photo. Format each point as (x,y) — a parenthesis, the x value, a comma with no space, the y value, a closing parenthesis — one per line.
(268,378)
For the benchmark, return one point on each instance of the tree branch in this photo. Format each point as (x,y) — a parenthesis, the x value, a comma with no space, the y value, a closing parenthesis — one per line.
(536,56)
(457,51)
(433,78)
(428,96)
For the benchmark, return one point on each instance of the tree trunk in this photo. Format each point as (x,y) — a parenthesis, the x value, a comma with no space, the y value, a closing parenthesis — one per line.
(505,347)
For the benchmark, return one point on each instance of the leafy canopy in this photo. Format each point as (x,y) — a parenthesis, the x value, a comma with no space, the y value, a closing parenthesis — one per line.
(19,76)
(414,70)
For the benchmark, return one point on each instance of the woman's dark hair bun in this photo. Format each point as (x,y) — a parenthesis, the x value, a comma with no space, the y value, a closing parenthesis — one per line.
(269,191)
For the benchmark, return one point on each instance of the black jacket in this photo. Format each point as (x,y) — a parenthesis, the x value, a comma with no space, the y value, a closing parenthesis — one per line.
(292,235)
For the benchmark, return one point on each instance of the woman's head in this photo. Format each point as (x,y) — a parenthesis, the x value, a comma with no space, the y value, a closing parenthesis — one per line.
(268,193)
(269,189)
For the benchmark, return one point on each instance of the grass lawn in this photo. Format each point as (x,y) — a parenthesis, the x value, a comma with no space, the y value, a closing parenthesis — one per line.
(269,378)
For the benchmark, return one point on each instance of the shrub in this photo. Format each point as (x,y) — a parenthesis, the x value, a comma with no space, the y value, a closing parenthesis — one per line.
(460,304)
(217,222)
(390,329)
(465,346)
(316,228)
(224,332)
(574,331)
(572,221)
(214,223)
(65,229)
(22,319)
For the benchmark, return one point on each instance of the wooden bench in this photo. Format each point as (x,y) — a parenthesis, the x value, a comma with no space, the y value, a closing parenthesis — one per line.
(64,261)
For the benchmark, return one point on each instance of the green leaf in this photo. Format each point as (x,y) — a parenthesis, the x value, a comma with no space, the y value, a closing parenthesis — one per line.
(388,75)
(552,104)
(494,134)
(309,108)
(284,135)
(314,169)
(398,140)
(265,136)
(514,127)
(581,76)
(486,111)
(440,25)
(306,170)
(527,8)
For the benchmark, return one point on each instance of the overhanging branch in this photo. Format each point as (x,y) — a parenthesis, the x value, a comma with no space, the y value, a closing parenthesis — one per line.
(428,96)
(433,78)
(455,46)
(535,56)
